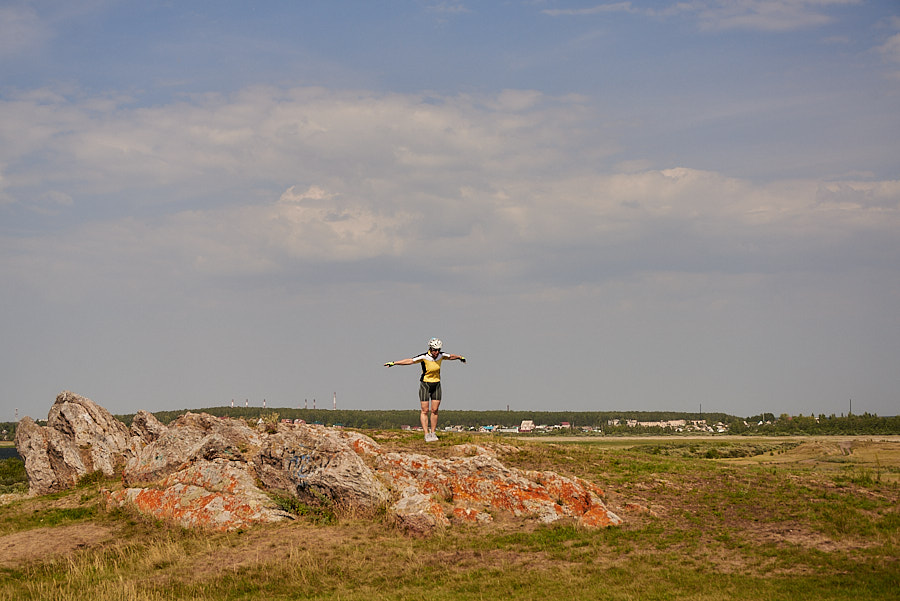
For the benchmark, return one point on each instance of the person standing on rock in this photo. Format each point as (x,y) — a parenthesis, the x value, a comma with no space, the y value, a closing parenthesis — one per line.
(429,383)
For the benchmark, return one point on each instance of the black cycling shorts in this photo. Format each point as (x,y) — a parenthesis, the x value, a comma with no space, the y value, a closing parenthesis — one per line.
(429,391)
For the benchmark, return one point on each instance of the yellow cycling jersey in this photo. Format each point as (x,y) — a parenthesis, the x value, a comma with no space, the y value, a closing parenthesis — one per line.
(431,367)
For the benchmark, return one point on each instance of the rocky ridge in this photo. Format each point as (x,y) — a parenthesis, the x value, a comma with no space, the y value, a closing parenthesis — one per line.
(216,473)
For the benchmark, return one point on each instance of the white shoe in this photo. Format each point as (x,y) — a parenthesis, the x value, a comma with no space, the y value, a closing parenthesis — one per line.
(431,437)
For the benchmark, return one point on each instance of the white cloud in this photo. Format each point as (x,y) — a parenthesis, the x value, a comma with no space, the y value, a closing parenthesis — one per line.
(452,8)
(861,197)
(626,7)
(263,140)
(270,181)
(757,15)
(301,222)
(890,50)
(768,15)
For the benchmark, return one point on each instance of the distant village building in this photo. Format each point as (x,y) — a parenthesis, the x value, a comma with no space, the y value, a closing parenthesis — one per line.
(672,423)
(527,426)
(679,425)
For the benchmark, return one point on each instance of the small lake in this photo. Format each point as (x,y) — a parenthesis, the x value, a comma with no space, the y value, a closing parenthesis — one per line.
(9,453)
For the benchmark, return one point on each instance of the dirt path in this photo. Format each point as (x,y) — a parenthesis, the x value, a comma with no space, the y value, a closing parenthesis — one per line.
(43,543)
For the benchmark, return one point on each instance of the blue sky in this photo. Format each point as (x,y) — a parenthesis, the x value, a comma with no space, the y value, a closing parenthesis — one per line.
(604,206)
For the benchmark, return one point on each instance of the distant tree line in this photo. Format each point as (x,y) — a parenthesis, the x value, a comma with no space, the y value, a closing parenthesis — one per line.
(394,419)
(9,428)
(851,424)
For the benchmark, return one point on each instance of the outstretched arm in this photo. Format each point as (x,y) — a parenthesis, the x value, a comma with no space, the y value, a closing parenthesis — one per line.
(452,357)
(400,362)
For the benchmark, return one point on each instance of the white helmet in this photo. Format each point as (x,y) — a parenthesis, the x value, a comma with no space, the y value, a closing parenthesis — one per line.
(435,344)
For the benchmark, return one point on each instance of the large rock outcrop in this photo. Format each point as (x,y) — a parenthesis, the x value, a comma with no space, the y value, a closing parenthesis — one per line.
(223,474)
(80,438)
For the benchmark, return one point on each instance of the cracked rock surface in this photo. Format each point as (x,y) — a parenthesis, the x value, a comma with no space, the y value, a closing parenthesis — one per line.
(209,472)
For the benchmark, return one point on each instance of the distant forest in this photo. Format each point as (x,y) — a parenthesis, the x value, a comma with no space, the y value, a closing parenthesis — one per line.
(394,419)
(784,424)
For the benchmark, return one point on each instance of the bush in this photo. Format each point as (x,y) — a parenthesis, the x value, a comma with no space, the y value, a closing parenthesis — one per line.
(12,471)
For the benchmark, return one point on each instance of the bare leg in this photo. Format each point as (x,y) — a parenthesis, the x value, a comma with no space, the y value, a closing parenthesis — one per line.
(435,404)
(423,416)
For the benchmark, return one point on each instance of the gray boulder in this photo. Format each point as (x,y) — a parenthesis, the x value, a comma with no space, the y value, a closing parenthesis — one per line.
(146,428)
(311,461)
(161,451)
(80,438)
(223,474)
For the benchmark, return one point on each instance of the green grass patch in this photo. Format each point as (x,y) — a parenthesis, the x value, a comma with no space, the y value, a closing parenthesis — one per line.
(47,517)
(713,449)
(321,513)
(12,476)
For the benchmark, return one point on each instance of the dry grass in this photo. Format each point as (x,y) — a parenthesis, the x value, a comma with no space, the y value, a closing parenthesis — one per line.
(783,526)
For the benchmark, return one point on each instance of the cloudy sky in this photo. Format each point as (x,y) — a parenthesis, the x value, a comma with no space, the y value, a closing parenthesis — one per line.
(648,205)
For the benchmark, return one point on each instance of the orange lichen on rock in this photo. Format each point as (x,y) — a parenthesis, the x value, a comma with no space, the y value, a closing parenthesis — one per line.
(191,506)
(474,516)
(216,473)
(483,482)
(212,494)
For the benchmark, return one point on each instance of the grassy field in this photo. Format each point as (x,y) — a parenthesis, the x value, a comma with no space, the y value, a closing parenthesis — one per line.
(705,519)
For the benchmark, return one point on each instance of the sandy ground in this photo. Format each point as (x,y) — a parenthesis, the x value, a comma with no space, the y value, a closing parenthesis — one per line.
(43,543)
